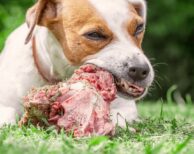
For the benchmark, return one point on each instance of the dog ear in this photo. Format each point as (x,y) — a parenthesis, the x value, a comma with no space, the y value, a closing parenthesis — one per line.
(36,15)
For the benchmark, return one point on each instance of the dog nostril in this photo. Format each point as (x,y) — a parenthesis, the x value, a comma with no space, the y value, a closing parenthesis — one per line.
(144,73)
(133,70)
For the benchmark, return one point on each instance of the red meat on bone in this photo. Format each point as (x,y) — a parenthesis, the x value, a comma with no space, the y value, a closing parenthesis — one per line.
(80,105)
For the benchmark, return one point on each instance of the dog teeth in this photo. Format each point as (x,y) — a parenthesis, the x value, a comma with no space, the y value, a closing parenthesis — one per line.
(130,90)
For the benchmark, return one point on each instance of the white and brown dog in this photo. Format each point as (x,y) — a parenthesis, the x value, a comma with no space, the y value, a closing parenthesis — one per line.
(60,35)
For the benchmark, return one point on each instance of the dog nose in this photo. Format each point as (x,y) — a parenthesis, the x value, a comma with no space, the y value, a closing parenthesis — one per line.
(139,72)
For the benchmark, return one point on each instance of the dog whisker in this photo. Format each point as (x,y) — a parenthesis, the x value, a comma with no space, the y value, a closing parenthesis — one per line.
(159,64)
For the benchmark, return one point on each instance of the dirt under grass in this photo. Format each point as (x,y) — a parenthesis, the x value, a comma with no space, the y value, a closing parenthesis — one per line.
(167,128)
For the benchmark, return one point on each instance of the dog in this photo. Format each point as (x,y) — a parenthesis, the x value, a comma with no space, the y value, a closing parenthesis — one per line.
(60,35)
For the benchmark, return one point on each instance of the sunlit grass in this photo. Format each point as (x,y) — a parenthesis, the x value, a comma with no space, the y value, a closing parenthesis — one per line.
(167,129)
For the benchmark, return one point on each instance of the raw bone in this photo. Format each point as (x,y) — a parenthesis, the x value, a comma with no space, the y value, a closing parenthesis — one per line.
(79,106)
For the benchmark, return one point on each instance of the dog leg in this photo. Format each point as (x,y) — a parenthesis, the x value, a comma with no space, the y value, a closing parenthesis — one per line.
(123,111)
(7,115)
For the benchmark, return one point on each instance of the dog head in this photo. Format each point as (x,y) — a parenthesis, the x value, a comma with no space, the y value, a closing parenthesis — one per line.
(105,33)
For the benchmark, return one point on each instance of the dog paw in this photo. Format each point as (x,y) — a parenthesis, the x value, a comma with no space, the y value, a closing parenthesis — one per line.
(7,116)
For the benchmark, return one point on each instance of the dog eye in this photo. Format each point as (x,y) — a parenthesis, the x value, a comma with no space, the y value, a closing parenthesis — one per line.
(139,29)
(96,36)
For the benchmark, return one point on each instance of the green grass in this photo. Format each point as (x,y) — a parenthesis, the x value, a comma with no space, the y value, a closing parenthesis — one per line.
(166,128)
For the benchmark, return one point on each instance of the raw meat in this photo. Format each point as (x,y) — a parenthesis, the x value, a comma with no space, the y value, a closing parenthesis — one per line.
(79,106)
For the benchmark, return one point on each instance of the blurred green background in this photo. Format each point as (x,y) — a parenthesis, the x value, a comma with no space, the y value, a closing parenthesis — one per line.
(169,41)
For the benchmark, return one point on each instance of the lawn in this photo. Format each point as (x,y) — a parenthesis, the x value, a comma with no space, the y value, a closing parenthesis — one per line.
(164,128)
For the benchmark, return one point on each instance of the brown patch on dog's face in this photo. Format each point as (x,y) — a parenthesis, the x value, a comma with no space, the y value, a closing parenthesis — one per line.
(81,23)
(80,29)
(134,24)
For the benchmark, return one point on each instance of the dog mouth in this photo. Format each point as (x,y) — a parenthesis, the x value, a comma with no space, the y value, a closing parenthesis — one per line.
(129,88)
(126,87)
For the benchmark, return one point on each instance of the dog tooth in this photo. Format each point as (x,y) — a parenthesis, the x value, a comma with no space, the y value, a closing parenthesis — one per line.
(130,90)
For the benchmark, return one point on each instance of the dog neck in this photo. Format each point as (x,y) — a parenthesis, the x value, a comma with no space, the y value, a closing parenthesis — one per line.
(49,57)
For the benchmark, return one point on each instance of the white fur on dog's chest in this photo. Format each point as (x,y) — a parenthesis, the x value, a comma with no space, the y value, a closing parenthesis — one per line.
(17,70)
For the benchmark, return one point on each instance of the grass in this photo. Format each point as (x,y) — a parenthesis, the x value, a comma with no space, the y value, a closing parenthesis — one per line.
(164,128)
